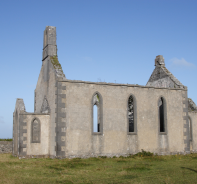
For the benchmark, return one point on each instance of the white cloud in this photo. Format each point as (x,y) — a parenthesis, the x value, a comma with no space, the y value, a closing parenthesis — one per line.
(181,63)
(1,119)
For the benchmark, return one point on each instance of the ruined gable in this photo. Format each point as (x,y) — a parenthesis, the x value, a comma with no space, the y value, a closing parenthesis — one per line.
(191,105)
(162,77)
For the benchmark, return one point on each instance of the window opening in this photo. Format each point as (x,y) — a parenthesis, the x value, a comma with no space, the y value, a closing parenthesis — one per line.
(161,115)
(131,114)
(95,114)
(190,130)
(96,120)
(35,131)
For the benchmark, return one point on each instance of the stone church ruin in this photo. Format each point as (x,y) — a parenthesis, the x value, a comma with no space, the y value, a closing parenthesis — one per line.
(74,118)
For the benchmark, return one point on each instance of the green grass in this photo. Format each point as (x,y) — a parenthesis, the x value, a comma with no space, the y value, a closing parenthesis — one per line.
(6,139)
(133,169)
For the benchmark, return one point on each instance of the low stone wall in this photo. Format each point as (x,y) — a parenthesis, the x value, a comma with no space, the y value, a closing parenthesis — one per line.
(5,147)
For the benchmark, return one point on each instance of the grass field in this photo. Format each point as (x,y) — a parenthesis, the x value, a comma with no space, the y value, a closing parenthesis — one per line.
(134,169)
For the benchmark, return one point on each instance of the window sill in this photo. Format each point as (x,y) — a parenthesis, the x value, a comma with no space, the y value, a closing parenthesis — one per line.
(97,133)
(131,133)
(162,133)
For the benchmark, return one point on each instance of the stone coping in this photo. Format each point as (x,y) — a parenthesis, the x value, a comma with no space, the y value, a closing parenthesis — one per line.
(118,84)
(31,113)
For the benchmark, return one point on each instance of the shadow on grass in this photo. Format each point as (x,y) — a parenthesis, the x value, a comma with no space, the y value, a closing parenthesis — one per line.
(189,169)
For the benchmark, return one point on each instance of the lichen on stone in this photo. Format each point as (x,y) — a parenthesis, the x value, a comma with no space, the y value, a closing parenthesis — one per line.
(55,62)
(57,66)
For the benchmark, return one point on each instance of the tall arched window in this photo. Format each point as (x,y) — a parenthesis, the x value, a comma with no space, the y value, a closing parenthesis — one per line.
(132,115)
(36,130)
(97,113)
(190,132)
(162,115)
(190,129)
(96,125)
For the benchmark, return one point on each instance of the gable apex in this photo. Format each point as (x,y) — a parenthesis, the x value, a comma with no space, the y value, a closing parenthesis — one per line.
(162,77)
(159,60)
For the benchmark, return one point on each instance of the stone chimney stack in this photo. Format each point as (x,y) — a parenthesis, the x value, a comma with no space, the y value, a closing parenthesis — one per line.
(49,44)
(159,60)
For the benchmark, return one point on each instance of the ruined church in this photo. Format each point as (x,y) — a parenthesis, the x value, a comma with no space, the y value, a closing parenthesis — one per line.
(74,118)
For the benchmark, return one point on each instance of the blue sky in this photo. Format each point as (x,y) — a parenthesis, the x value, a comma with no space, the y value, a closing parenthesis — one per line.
(97,40)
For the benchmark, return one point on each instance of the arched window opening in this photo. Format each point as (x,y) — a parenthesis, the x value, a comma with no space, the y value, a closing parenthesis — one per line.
(95,118)
(45,106)
(190,129)
(131,114)
(161,115)
(97,113)
(96,105)
(35,131)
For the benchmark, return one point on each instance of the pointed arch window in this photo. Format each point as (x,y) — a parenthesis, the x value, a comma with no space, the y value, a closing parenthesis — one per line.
(132,115)
(190,129)
(35,129)
(97,105)
(162,116)
(45,106)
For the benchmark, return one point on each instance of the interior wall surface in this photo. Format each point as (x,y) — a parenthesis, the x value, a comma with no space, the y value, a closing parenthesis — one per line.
(80,141)
(193,121)
(46,87)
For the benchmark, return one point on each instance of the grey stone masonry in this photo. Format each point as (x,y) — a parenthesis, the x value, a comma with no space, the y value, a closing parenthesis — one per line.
(5,147)
(191,105)
(162,77)
(60,120)
(22,135)
(186,135)
(49,45)
(159,60)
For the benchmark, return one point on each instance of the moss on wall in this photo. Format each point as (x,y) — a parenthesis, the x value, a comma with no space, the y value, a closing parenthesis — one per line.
(55,62)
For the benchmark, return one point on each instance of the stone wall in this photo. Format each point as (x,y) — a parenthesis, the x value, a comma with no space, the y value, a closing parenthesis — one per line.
(114,140)
(5,147)
(46,89)
(193,130)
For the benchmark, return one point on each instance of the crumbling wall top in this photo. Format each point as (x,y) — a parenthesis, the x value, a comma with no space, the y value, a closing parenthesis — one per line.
(159,60)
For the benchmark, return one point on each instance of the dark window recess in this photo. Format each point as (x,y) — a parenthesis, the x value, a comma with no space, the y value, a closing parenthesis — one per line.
(131,114)
(99,127)
(161,115)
